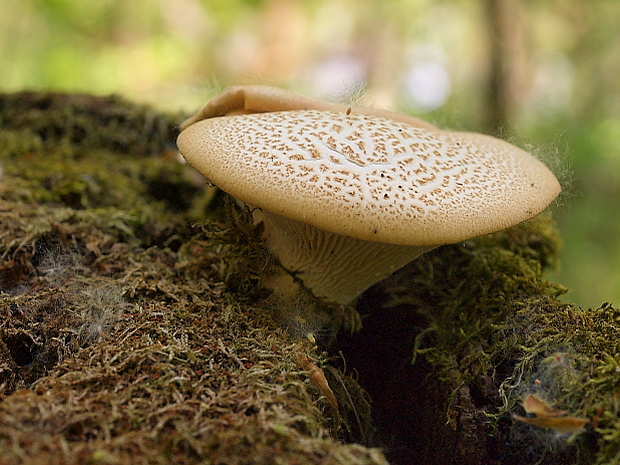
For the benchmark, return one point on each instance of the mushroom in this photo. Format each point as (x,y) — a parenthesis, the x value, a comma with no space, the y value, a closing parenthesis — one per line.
(347,195)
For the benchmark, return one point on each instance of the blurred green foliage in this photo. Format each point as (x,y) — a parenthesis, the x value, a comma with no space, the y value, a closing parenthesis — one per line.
(564,66)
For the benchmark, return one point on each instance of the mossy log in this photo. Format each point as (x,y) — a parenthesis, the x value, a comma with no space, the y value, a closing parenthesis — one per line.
(132,330)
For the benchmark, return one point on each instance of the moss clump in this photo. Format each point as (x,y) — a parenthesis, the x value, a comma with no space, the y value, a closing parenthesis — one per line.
(120,341)
(79,123)
(84,152)
(490,330)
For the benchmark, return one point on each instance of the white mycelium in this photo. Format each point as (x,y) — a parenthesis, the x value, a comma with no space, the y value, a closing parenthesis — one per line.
(346,199)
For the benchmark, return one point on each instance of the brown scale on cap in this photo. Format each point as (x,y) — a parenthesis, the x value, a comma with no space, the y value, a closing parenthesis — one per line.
(348,195)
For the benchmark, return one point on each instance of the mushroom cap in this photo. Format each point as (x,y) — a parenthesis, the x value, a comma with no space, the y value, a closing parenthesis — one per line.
(370,177)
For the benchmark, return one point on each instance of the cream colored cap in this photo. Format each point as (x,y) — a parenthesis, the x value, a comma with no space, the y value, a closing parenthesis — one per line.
(370,177)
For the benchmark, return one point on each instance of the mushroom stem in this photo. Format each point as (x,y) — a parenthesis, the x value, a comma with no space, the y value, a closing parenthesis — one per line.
(333,267)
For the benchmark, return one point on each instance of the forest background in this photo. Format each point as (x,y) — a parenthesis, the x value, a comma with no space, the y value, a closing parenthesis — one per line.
(542,74)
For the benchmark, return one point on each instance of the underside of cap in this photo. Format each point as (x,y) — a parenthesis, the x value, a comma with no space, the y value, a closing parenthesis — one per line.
(369,177)
(335,268)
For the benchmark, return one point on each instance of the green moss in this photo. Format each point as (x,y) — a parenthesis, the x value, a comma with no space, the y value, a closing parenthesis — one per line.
(127,335)
(77,123)
(494,320)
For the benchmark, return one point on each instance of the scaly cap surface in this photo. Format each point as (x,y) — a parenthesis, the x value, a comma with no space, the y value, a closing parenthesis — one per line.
(370,177)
